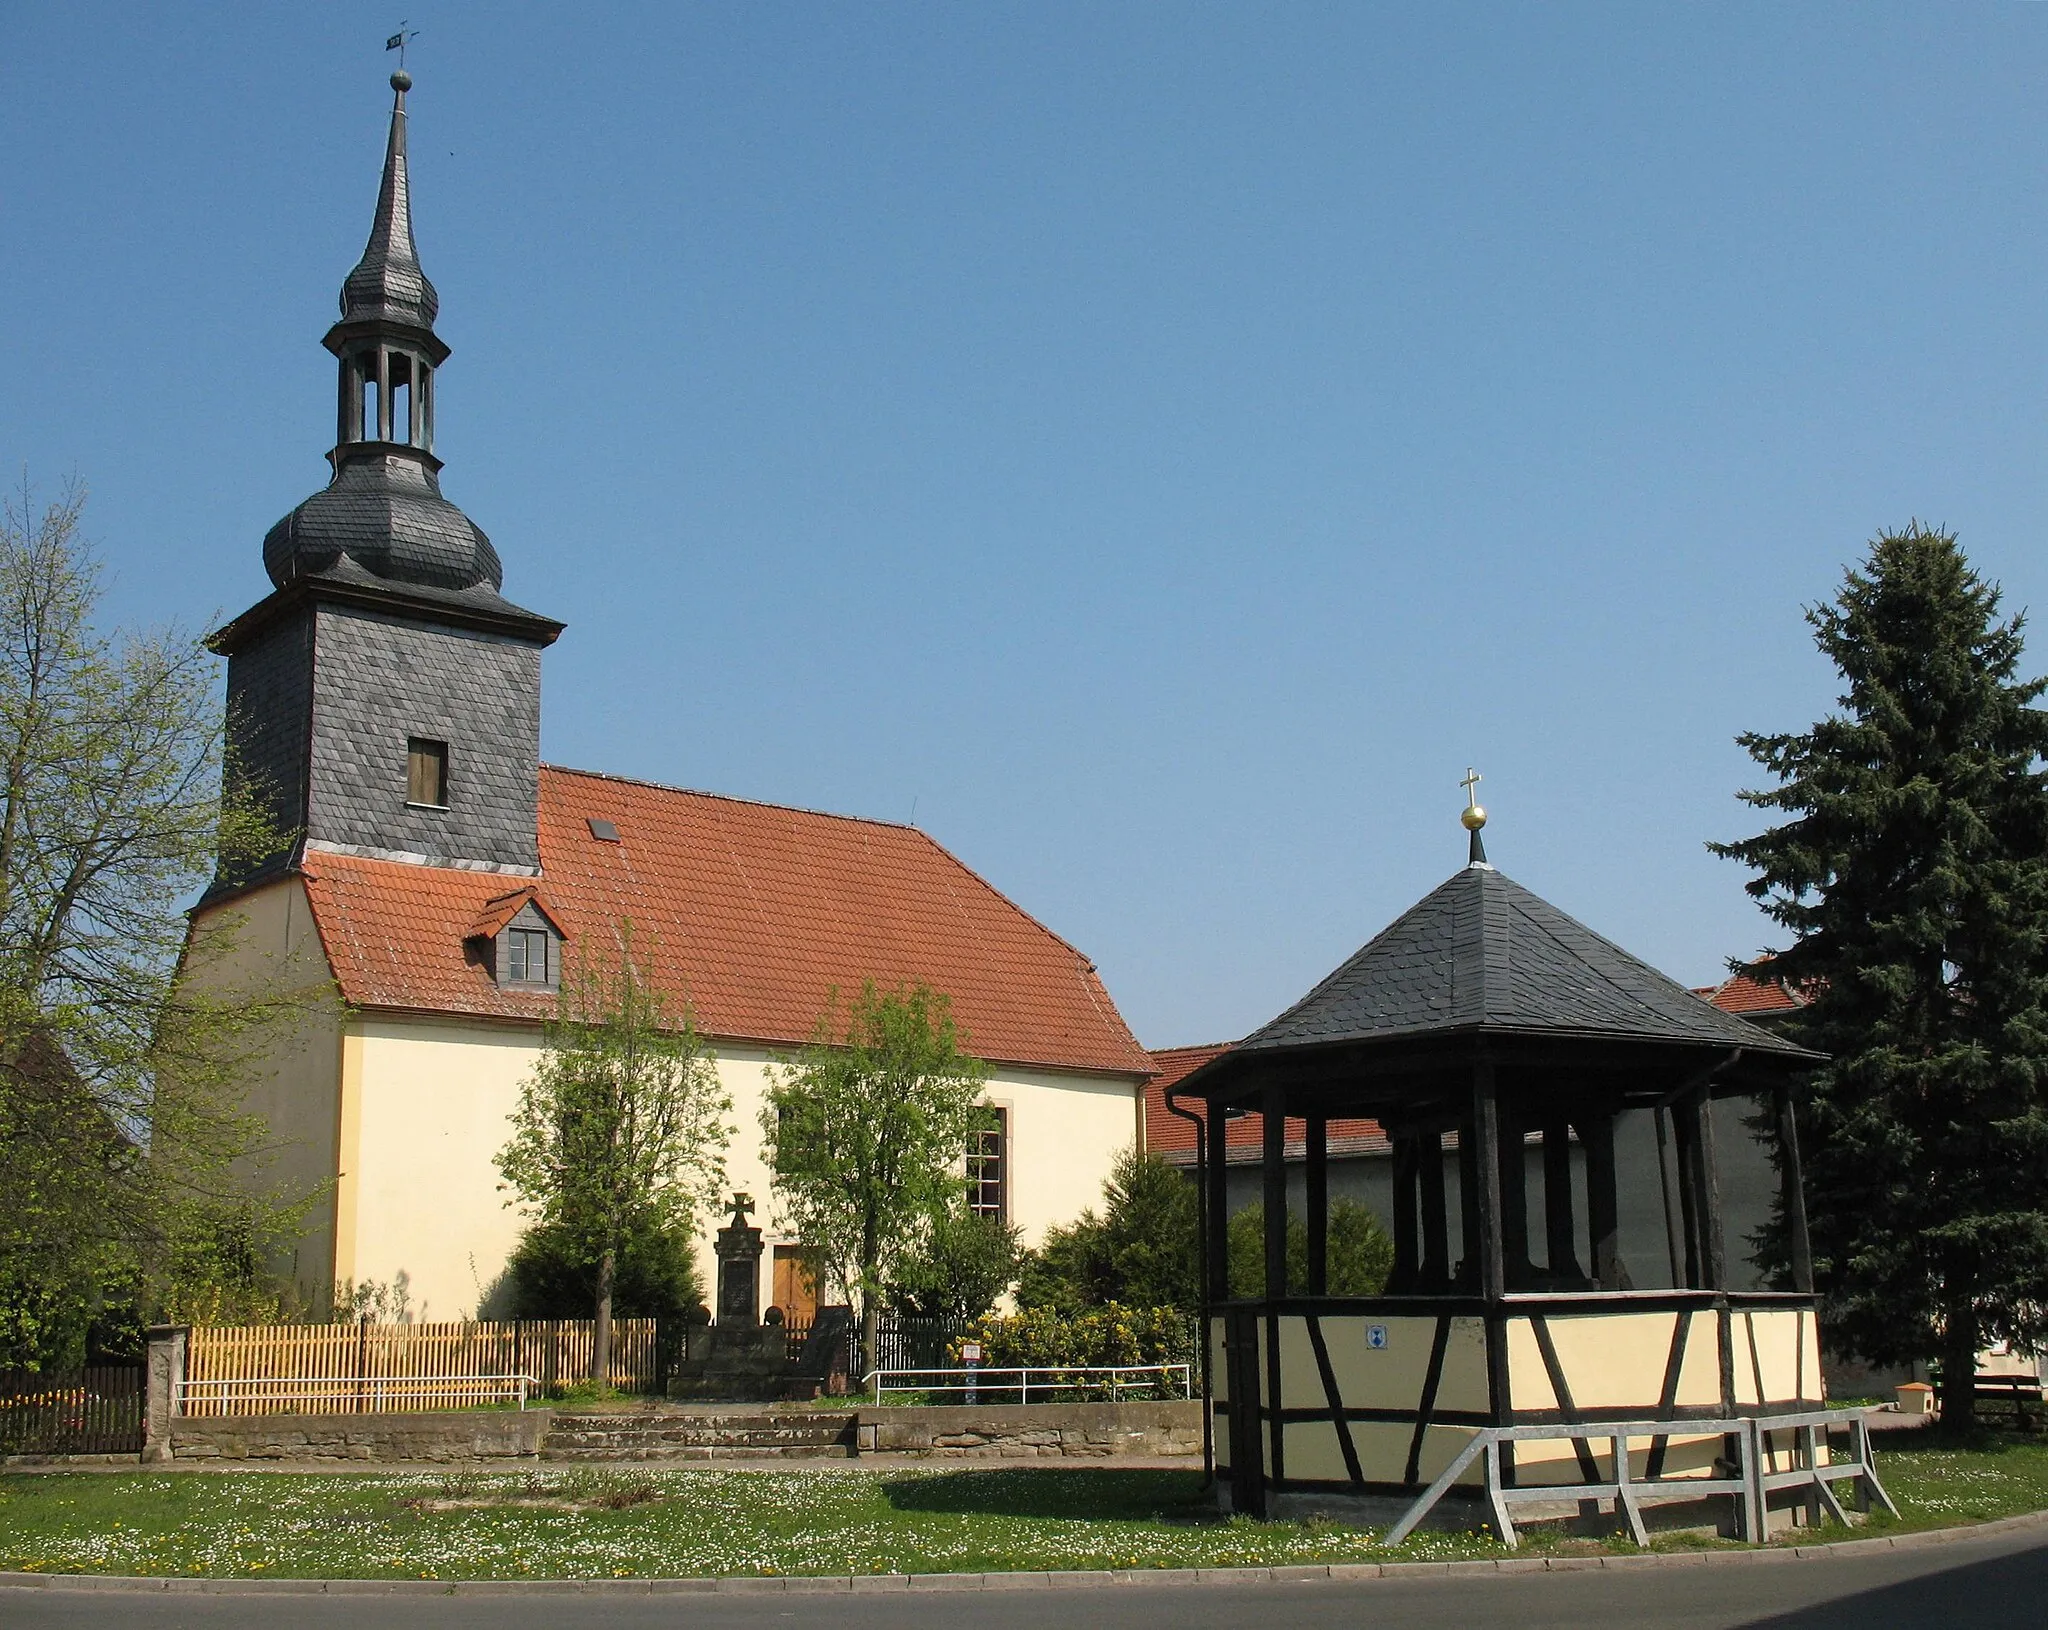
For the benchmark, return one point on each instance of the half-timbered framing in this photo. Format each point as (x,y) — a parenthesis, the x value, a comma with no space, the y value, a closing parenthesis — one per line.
(1482,1022)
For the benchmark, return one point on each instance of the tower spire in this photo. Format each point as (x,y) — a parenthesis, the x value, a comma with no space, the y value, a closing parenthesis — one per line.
(387,282)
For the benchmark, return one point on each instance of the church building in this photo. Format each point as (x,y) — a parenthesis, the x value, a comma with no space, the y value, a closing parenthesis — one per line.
(385,699)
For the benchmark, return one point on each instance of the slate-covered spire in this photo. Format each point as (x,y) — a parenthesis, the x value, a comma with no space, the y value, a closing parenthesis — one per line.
(382,520)
(387,282)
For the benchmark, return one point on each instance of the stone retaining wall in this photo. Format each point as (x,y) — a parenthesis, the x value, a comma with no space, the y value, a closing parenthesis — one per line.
(1003,1431)
(425,1435)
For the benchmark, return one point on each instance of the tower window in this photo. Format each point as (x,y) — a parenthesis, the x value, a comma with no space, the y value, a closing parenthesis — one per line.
(426,772)
(526,956)
(988,1165)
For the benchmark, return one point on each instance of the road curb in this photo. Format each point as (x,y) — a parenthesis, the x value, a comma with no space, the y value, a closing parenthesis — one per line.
(871,1584)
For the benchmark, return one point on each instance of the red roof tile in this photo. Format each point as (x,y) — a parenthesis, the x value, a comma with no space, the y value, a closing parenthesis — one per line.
(753,914)
(1750,996)
(1167,1135)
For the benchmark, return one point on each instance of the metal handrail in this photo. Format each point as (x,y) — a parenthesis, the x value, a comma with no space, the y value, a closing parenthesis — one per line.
(972,1379)
(1751,1487)
(322,1388)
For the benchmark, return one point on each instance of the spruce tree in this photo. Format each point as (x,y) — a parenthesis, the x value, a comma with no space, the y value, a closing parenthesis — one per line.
(1913,873)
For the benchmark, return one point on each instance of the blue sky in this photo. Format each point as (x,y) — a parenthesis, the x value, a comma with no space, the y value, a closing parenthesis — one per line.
(1162,445)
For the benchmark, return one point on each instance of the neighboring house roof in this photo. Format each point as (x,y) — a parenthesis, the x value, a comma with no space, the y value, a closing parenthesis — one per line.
(1173,1139)
(1483,955)
(1754,998)
(753,915)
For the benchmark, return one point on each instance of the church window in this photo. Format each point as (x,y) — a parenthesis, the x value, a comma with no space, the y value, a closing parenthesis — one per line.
(426,772)
(988,1166)
(526,956)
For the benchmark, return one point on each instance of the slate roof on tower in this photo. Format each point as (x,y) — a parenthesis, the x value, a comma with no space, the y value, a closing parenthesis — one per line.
(1483,955)
(754,915)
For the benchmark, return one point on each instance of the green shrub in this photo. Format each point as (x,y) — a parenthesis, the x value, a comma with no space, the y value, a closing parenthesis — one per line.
(966,1263)
(657,1276)
(1044,1338)
(1361,1252)
(1142,1251)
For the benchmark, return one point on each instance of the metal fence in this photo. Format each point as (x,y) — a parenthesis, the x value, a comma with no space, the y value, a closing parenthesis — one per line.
(97,1410)
(977,1384)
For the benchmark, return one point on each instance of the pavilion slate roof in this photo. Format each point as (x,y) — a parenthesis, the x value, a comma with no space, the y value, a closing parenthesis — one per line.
(1482,954)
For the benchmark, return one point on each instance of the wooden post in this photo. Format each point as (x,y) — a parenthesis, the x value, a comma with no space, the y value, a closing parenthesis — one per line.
(1317,1176)
(1514,1194)
(1792,1182)
(1273,1171)
(1674,1231)
(1485,1204)
(1407,1273)
(1560,1249)
(1436,1211)
(1685,1135)
(1713,1243)
(1218,1178)
(1603,1221)
(1274,1109)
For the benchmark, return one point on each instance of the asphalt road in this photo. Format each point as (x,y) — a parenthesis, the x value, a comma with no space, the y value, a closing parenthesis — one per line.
(2001,1580)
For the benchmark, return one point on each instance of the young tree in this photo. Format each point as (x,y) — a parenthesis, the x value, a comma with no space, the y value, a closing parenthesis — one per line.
(620,1130)
(126,1032)
(866,1133)
(1913,873)
(1144,1250)
(961,1268)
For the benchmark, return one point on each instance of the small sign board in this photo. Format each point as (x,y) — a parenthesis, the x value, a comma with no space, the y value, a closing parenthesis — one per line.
(1375,1336)
(970,1352)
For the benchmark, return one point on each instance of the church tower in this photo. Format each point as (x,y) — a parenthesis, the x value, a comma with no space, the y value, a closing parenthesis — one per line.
(385,699)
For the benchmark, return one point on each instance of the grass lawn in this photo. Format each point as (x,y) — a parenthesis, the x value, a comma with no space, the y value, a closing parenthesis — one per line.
(592,1524)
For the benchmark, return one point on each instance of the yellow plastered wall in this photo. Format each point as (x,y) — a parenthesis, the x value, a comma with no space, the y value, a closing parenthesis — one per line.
(1393,1376)
(427,1103)
(297,1092)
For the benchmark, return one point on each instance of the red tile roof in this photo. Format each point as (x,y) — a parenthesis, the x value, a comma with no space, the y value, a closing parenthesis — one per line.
(1172,1138)
(753,915)
(1750,996)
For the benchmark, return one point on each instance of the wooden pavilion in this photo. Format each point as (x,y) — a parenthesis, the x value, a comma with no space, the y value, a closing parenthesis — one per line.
(1485,1021)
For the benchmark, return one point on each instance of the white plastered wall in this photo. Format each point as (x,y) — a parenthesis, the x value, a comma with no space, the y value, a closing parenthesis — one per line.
(427,1104)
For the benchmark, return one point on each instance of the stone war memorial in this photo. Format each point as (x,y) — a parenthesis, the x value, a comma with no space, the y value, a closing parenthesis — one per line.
(1498,1042)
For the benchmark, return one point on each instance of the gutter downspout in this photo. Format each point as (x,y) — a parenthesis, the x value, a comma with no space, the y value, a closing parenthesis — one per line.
(1202,1257)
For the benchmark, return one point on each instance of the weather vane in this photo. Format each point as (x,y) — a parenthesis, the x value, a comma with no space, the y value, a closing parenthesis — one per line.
(1473,817)
(398,42)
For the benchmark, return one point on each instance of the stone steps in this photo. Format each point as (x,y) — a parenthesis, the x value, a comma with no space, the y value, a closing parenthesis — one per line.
(781,1434)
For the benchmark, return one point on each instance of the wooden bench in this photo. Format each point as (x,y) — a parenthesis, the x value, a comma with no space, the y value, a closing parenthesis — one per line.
(2019,1392)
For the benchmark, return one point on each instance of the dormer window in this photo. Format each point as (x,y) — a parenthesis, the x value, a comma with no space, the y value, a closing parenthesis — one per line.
(525,944)
(526,956)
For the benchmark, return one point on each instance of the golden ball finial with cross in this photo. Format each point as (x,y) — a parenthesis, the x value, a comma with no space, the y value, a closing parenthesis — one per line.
(1473,817)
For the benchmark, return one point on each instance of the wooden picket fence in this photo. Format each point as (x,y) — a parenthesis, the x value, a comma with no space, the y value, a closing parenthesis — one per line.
(330,1369)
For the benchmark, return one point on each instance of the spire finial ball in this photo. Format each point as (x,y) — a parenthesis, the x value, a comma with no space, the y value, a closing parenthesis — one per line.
(1472,817)
(401,81)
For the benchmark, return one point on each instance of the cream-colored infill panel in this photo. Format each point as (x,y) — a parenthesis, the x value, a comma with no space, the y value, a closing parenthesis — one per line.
(1529,1385)
(1699,1380)
(1440,1446)
(1816,1378)
(1219,1363)
(1770,1342)
(1314,1453)
(1463,1385)
(1301,1379)
(1612,1360)
(1389,1376)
